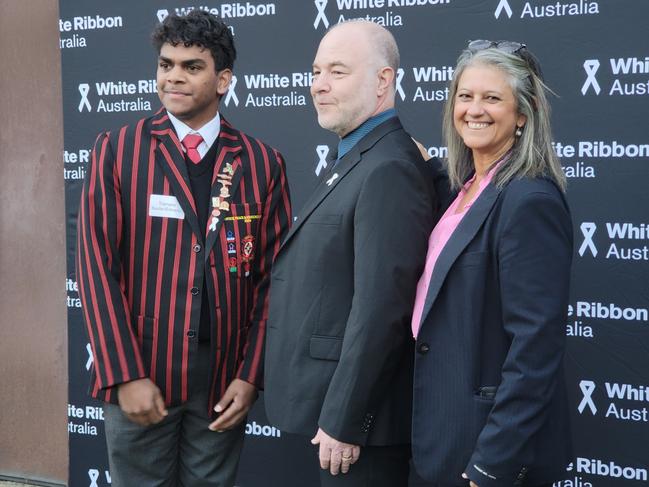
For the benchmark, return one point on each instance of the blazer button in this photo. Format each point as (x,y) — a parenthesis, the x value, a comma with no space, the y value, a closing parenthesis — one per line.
(194,291)
(423,348)
(196,248)
(191,334)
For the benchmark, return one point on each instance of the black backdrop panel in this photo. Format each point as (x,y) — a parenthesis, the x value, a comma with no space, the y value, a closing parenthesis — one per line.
(595,57)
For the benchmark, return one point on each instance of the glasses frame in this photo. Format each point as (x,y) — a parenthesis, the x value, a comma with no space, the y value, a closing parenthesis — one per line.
(510,47)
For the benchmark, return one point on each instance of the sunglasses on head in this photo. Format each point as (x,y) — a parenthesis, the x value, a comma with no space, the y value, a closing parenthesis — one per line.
(510,47)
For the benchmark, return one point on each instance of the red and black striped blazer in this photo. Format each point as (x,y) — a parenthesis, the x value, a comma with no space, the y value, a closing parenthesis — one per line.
(141,277)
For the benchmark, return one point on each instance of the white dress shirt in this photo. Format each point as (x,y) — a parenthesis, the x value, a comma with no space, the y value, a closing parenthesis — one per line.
(209,132)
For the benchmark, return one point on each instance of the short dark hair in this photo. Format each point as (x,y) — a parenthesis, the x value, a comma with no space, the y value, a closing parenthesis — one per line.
(198,28)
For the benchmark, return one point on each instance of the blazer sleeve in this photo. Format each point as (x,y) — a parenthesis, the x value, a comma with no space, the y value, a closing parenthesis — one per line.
(116,352)
(392,222)
(275,223)
(534,258)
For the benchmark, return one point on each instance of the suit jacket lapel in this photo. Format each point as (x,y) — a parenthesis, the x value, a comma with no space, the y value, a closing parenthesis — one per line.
(462,236)
(327,184)
(332,178)
(227,174)
(169,155)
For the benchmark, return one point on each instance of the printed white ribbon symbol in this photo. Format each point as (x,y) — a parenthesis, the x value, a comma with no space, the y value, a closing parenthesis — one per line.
(591,66)
(84,89)
(322,151)
(94,476)
(504,4)
(587,387)
(90,357)
(162,14)
(321,17)
(213,223)
(332,179)
(231,94)
(588,230)
(399,89)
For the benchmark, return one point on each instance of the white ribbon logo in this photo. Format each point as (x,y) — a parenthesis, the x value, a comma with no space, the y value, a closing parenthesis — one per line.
(503,5)
(591,66)
(94,476)
(84,89)
(399,89)
(321,17)
(588,230)
(90,357)
(587,388)
(162,14)
(331,180)
(213,224)
(231,95)
(322,151)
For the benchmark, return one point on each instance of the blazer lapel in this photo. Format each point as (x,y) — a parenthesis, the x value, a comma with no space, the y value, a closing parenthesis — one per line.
(462,236)
(332,178)
(225,181)
(169,155)
(326,186)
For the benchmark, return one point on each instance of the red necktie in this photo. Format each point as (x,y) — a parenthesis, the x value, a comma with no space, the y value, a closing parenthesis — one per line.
(190,143)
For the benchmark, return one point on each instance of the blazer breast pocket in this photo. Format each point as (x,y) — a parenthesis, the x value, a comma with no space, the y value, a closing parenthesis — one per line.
(242,229)
(245,217)
(326,220)
(472,259)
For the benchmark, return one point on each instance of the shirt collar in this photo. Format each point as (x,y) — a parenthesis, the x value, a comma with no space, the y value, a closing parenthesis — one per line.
(352,138)
(491,172)
(209,131)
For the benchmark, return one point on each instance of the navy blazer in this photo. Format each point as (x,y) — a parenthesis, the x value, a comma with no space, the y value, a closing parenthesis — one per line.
(489,388)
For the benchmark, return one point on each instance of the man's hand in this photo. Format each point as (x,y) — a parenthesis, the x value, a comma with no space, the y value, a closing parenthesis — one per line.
(234,405)
(471,482)
(141,402)
(335,455)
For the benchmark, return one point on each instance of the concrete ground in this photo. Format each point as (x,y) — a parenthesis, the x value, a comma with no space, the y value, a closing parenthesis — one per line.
(9,483)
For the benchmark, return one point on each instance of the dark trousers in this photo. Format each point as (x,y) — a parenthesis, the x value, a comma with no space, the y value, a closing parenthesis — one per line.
(178,451)
(378,466)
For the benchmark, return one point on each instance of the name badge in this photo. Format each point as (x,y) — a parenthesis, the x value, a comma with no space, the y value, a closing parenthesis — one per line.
(165,206)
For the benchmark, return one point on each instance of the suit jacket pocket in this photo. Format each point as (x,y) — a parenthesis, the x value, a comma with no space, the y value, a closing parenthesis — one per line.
(241,227)
(325,347)
(472,259)
(245,217)
(324,219)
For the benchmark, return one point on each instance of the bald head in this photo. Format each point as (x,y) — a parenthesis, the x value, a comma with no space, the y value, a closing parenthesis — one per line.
(376,41)
(353,75)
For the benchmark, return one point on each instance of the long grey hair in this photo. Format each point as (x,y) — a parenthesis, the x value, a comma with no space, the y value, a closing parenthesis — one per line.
(532,154)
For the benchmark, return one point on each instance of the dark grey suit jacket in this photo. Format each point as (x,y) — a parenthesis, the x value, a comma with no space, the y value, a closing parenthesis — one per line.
(489,390)
(339,348)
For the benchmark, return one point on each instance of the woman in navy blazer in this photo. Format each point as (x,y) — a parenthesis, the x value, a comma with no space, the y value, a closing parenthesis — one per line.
(490,405)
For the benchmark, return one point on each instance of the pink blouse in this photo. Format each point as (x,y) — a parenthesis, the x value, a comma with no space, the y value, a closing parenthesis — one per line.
(438,239)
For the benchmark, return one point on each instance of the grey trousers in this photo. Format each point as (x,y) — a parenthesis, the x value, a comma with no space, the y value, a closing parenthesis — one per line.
(180,451)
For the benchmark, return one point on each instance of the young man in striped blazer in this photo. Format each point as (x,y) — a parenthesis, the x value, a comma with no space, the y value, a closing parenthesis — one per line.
(181,216)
